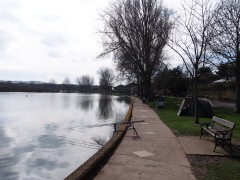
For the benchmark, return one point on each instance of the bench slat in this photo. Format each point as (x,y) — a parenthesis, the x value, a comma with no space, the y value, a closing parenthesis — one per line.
(223,122)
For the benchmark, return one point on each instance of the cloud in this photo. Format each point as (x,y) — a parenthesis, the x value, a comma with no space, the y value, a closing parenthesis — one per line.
(5,39)
(54,54)
(8,11)
(42,39)
(7,16)
(54,40)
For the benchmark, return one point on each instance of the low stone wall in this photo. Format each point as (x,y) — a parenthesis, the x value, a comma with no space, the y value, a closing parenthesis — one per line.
(92,165)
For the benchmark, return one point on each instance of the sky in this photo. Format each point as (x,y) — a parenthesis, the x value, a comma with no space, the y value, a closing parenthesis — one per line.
(42,40)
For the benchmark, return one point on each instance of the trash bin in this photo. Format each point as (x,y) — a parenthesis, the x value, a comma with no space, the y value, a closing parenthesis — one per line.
(144,99)
(160,102)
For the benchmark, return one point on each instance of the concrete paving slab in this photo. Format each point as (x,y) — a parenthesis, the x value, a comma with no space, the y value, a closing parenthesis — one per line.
(143,153)
(145,123)
(205,146)
(161,154)
(149,132)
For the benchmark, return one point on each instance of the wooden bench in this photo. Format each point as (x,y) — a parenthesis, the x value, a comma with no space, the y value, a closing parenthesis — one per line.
(220,129)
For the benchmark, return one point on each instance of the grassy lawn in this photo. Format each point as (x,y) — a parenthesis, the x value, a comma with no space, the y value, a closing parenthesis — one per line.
(223,170)
(215,167)
(185,126)
(204,167)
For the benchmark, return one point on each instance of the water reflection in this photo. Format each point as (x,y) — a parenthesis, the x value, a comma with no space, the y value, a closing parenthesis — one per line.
(46,164)
(105,107)
(7,166)
(50,141)
(25,149)
(6,173)
(124,99)
(46,137)
(4,140)
(50,128)
(85,103)
(43,167)
(66,100)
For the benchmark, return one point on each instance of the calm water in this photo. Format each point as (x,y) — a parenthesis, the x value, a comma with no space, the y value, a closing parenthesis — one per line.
(47,136)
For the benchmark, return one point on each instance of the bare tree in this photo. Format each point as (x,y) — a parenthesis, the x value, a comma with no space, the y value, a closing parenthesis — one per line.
(66,81)
(106,79)
(85,83)
(226,42)
(52,81)
(85,80)
(129,72)
(136,31)
(191,38)
(99,140)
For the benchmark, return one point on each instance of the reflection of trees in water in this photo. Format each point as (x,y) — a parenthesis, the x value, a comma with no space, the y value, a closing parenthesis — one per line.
(101,141)
(85,103)
(124,99)
(105,110)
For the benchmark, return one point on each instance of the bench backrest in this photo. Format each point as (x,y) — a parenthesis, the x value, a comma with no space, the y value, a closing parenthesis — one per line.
(223,122)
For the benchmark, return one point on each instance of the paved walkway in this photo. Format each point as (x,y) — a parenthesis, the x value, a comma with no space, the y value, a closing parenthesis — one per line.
(157,155)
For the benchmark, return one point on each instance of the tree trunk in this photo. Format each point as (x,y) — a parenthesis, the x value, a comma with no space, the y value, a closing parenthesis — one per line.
(237,106)
(142,87)
(149,88)
(195,99)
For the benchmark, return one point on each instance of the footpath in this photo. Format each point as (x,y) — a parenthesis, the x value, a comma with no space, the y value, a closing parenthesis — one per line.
(156,154)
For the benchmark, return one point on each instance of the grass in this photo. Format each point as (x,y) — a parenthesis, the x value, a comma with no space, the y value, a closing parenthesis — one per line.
(215,167)
(185,126)
(223,170)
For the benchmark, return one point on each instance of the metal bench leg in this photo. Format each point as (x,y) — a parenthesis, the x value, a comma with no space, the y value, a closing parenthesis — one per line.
(230,145)
(215,148)
(216,144)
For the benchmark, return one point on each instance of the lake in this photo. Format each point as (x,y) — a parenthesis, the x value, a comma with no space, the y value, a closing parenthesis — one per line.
(49,135)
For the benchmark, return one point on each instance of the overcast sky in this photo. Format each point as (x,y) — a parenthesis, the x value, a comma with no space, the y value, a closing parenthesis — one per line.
(52,39)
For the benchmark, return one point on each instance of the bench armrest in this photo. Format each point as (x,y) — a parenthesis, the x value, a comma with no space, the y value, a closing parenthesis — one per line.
(206,124)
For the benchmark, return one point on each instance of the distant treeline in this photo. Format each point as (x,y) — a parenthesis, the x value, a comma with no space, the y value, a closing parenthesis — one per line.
(46,87)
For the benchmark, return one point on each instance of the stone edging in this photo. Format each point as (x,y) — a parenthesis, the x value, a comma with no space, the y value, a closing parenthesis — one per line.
(92,164)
